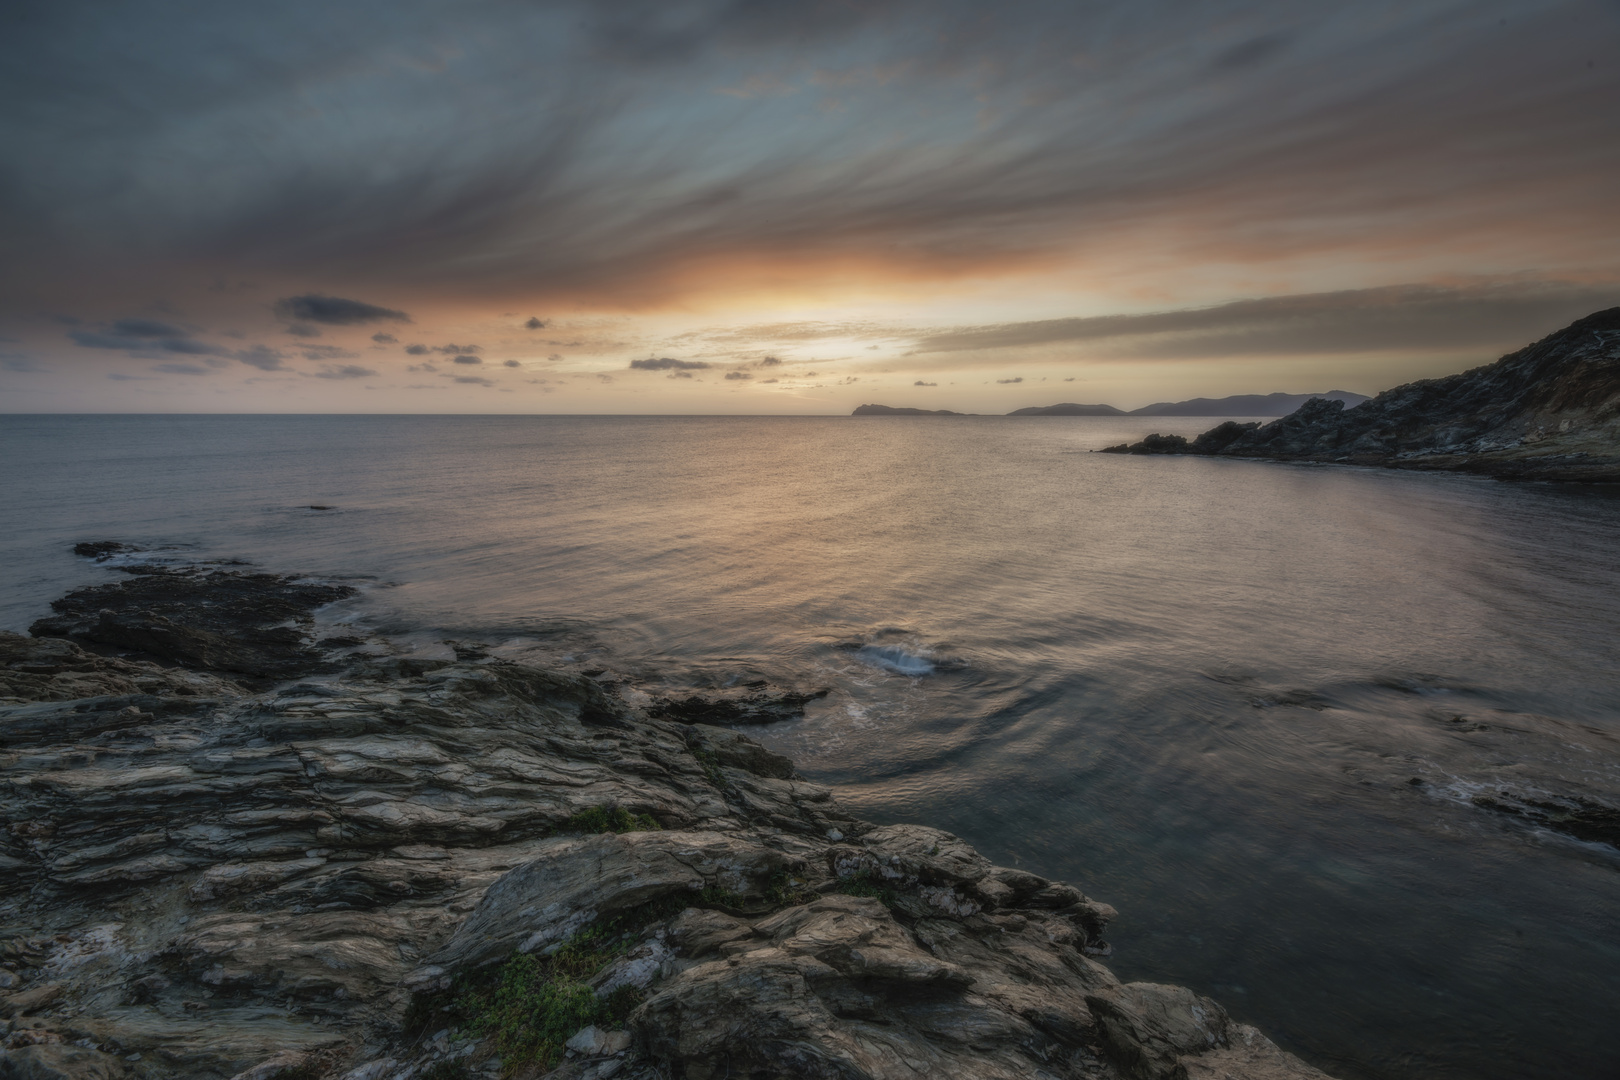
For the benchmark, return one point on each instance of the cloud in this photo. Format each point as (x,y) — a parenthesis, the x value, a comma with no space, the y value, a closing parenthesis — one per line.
(476,380)
(449,349)
(346,371)
(145,328)
(769,361)
(143,337)
(734,375)
(1399,317)
(535,323)
(765,381)
(511,363)
(182,369)
(262,357)
(467,360)
(679,375)
(19,362)
(417,350)
(328,352)
(668,363)
(1255,51)
(384,339)
(334,310)
(1255,129)
(305,330)
(919,382)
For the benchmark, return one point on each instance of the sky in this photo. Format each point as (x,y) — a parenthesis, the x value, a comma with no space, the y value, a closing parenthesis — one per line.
(789,206)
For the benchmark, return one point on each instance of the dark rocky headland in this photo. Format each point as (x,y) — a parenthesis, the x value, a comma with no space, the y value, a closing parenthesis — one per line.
(1550,411)
(236,848)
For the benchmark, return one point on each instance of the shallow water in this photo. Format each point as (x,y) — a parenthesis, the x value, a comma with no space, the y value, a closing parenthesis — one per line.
(1198,689)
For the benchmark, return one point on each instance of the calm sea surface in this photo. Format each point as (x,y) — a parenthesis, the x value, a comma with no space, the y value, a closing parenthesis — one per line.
(1198,689)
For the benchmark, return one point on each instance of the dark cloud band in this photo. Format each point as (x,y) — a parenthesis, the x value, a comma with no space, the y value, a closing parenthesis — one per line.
(335,311)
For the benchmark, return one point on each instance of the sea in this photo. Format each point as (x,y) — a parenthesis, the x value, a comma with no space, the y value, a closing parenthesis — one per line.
(1287,719)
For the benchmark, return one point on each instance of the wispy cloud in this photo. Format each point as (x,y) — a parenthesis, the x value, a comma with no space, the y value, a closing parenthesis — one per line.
(923,139)
(335,311)
(669,363)
(1404,317)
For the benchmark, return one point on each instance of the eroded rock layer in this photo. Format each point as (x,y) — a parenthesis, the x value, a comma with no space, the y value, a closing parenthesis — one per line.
(207,879)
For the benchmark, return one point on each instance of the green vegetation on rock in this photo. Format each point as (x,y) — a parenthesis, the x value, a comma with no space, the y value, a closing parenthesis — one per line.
(616,819)
(868,885)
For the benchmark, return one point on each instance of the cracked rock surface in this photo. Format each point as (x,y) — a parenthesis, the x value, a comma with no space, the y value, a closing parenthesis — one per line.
(210,876)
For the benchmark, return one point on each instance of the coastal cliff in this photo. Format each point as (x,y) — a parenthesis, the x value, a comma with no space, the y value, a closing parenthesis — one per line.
(237,847)
(1550,411)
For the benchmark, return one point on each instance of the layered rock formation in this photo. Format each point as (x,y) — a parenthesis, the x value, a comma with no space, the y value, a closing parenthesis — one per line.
(385,868)
(1550,411)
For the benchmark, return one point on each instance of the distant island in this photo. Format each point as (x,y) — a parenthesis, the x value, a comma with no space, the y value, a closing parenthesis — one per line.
(1068,408)
(1550,411)
(1237,405)
(1244,404)
(890,410)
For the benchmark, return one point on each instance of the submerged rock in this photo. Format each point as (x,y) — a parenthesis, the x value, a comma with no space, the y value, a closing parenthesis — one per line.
(241,623)
(206,881)
(747,705)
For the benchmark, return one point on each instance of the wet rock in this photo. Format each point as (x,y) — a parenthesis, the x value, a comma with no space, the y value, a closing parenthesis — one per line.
(747,705)
(32,1000)
(102,550)
(1152,444)
(1148,1029)
(256,625)
(595,1042)
(1581,818)
(58,1062)
(577,880)
(1221,436)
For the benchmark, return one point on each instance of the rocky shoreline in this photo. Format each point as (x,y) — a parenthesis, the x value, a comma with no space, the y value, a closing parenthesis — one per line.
(236,848)
(1550,411)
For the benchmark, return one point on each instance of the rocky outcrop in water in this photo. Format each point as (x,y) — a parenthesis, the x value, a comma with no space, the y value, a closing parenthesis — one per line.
(1278,404)
(405,869)
(1550,411)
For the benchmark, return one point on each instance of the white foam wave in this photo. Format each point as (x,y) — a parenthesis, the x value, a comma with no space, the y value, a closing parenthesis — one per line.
(895,659)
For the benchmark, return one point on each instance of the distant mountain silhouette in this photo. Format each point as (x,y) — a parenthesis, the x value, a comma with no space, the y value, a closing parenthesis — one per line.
(1068,408)
(1245,404)
(890,410)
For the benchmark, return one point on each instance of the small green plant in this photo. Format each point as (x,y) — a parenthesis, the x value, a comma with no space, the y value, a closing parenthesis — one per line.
(533,1004)
(868,885)
(782,891)
(715,896)
(602,819)
(710,764)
